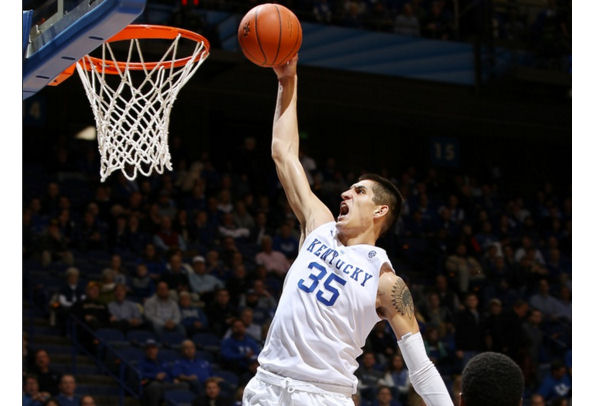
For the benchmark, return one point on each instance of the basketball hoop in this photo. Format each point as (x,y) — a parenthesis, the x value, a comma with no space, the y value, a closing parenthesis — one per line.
(132,114)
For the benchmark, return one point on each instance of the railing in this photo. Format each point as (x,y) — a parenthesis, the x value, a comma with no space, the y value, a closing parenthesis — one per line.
(107,358)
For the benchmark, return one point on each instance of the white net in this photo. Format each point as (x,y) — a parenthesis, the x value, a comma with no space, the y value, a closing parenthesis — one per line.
(132,113)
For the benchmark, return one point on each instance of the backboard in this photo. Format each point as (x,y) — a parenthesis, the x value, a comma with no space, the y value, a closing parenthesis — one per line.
(63,31)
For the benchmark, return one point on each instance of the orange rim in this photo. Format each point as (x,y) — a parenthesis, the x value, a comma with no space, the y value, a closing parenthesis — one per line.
(146,31)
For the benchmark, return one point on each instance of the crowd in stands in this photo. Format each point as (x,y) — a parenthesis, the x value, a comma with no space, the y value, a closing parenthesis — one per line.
(541,26)
(201,252)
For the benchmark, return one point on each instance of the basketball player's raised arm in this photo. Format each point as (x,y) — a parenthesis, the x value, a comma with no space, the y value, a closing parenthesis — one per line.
(308,209)
(395,304)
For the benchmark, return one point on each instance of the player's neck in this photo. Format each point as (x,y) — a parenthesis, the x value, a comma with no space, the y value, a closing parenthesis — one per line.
(368,237)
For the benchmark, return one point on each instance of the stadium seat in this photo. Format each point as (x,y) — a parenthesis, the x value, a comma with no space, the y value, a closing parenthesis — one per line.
(172,339)
(230,380)
(178,397)
(130,354)
(167,355)
(138,337)
(207,341)
(111,336)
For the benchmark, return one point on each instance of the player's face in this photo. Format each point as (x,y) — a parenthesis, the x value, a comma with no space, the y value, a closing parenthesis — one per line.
(357,206)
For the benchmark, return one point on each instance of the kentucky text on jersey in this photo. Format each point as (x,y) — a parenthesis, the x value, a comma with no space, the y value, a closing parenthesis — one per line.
(328,255)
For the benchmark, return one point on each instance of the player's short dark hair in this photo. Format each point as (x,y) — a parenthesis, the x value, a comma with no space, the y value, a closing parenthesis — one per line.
(385,192)
(492,379)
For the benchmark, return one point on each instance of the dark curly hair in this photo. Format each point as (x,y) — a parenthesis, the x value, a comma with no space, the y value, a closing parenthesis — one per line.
(492,379)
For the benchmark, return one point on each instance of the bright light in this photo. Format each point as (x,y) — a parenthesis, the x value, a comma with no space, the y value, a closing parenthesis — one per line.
(88,134)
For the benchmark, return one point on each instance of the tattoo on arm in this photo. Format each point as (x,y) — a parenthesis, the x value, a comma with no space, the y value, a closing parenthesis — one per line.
(402,299)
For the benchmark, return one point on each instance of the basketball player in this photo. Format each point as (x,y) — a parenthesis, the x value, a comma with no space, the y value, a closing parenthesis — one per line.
(338,288)
(492,379)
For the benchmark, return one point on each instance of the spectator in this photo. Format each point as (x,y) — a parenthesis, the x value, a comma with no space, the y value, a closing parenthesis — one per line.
(90,234)
(201,281)
(556,383)
(396,378)
(463,268)
(382,342)
(107,285)
(384,397)
(436,315)
(192,317)
(274,261)
(166,238)
(213,395)
(142,285)
(52,402)
(215,267)
(537,400)
(564,305)
(322,14)
(221,312)
(469,334)
(70,293)
(369,376)
(153,262)
(162,311)
(67,389)
(31,394)
(494,327)
(124,314)
(241,217)
(228,228)
(176,274)
(48,378)
(239,349)
(191,369)
(532,331)
(286,242)
(543,301)
(447,297)
(264,299)
(437,350)
(407,22)
(54,246)
(437,24)
(237,284)
(526,246)
(135,236)
(252,329)
(155,376)
(91,310)
(87,400)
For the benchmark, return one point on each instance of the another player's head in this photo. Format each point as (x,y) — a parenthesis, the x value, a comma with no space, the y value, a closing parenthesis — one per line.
(373,201)
(492,379)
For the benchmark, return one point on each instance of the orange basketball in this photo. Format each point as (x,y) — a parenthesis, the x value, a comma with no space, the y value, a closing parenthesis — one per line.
(269,35)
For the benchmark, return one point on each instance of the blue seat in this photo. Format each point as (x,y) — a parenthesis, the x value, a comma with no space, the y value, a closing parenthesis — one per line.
(167,355)
(172,339)
(230,380)
(111,336)
(207,341)
(178,397)
(205,355)
(130,354)
(139,337)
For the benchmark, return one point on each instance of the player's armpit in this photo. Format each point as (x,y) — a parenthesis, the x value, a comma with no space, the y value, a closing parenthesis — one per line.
(395,303)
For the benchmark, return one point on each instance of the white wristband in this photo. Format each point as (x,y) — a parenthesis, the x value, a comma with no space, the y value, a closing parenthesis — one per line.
(423,374)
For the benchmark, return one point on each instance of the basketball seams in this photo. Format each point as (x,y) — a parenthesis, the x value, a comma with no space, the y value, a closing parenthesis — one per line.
(280,34)
(245,49)
(259,27)
(258,37)
(297,40)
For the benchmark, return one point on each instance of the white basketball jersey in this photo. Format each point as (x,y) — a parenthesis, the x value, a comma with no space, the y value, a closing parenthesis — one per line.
(326,310)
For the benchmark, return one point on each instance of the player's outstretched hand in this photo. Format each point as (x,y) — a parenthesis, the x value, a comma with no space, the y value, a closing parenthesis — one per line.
(288,69)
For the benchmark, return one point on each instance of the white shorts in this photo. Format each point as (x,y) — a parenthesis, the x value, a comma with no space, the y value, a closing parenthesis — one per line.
(268,389)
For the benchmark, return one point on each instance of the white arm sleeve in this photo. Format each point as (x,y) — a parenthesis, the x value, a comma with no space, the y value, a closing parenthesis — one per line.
(423,374)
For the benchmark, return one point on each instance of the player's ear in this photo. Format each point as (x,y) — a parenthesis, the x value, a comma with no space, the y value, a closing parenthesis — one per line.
(462,403)
(380,211)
